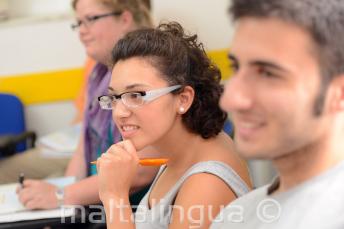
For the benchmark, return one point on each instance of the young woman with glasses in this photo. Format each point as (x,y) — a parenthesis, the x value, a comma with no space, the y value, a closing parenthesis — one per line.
(100,24)
(164,92)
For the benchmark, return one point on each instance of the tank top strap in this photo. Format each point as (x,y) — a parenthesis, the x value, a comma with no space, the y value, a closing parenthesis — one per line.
(217,168)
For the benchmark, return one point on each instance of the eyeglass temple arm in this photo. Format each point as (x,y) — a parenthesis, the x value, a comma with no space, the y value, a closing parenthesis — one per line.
(150,95)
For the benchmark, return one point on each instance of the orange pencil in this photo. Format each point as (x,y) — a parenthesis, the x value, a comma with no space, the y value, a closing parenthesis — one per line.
(148,161)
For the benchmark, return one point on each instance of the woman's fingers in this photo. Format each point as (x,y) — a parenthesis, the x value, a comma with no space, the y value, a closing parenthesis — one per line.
(128,146)
(124,150)
(116,169)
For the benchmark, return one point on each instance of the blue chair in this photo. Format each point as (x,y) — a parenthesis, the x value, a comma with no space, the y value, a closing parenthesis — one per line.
(13,135)
(228,128)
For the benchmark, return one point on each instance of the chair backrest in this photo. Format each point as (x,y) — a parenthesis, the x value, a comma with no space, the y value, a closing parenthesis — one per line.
(228,128)
(12,119)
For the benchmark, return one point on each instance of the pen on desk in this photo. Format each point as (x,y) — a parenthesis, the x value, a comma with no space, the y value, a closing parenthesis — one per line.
(21,180)
(147,161)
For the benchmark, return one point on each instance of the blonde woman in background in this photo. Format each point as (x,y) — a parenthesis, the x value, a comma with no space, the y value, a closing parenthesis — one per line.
(100,24)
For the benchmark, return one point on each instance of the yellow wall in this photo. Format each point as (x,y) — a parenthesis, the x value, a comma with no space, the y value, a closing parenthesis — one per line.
(220,59)
(44,87)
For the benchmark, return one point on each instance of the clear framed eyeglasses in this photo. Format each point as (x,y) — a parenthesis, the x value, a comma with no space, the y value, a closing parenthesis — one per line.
(135,98)
(89,20)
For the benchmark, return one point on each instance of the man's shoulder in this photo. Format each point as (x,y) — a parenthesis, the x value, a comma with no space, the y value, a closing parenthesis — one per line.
(253,196)
(235,214)
(321,197)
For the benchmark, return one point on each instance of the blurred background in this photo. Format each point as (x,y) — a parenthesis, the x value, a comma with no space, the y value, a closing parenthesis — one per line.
(42,61)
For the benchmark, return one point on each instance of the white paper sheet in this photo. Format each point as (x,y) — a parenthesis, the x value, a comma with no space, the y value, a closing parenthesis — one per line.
(11,210)
(33,215)
(61,143)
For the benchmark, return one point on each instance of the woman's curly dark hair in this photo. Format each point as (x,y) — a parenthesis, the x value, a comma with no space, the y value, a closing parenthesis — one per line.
(182,60)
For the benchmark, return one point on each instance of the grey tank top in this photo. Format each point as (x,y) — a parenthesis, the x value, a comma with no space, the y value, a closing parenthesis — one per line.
(160,214)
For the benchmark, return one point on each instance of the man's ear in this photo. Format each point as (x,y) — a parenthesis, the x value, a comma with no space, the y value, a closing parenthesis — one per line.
(337,85)
(186,98)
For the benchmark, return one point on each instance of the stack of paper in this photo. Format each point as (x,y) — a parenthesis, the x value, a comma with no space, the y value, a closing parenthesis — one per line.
(61,143)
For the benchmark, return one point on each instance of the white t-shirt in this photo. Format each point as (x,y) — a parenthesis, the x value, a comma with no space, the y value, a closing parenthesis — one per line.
(315,204)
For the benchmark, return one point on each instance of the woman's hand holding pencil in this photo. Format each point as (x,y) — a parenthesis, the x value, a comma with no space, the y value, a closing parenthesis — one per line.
(117,168)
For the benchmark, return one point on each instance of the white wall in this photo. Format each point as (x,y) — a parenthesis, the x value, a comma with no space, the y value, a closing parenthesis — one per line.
(27,8)
(39,45)
(47,118)
(208,18)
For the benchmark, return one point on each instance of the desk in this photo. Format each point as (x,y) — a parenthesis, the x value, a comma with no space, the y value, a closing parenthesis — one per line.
(33,164)
(55,223)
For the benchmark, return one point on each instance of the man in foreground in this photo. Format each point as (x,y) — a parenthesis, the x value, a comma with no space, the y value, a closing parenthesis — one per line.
(287,104)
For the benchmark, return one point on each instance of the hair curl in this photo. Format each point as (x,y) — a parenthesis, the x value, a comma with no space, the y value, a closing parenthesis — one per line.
(181,59)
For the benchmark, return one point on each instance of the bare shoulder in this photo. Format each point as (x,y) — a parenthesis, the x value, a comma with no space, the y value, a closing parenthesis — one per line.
(199,201)
(223,150)
(205,188)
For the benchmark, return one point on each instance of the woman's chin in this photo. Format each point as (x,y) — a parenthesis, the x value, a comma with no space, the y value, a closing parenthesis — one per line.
(139,145)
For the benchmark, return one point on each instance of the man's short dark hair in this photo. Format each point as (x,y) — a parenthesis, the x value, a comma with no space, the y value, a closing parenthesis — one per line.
(322,19)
